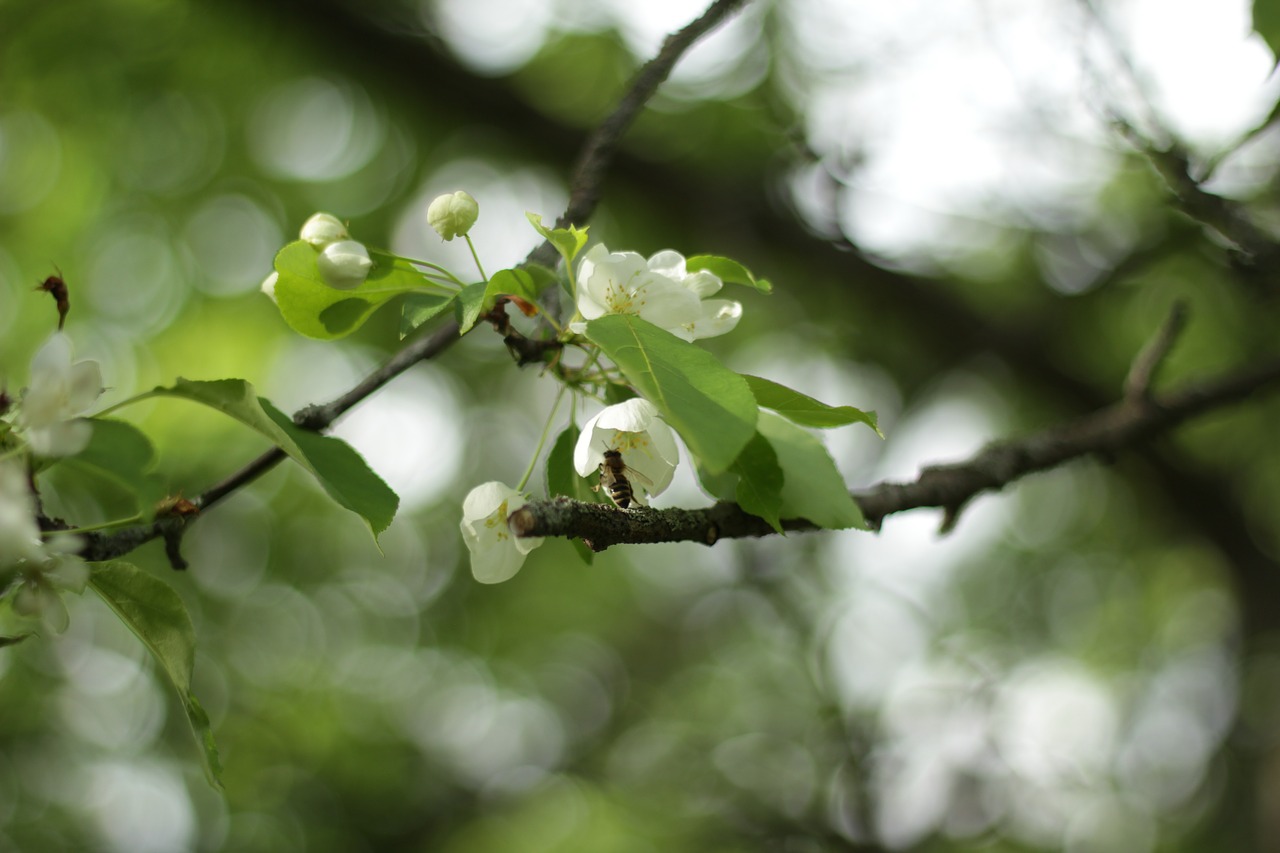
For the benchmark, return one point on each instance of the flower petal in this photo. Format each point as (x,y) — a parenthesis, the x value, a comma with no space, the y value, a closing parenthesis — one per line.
(485,499)
(64,438)
(85,386)
(52,362)
(665,303)
(703,283)
(497,563)
(632,415)
(669,263)
(718,317)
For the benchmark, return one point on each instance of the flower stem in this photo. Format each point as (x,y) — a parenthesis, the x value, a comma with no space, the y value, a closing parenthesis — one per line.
(119,522)
(543,311)
(542,439)
(138,398)
(472,247)
(442,270)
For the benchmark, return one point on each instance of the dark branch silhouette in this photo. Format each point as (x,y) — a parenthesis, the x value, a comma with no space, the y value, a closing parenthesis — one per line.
(950,487)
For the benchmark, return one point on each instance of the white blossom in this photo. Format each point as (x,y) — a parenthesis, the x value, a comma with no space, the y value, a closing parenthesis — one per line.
(622,283)
(715,316)
(19,533)
(496,553)
(636,430)
(40,586)
(344,265)
(659,290)
(58,391)
(43,569)
(452,214)
(322,229)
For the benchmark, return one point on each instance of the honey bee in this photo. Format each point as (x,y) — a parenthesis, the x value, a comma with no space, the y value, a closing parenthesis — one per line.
(615,479)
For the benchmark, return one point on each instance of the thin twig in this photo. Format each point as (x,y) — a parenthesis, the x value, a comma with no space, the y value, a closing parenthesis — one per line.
(597,153)
(1257,251)
(1142,374)
(950,487)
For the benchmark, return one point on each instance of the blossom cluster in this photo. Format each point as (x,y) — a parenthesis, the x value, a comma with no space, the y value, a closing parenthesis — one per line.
(628,444)
(35,570)
(660,290)
(632,428)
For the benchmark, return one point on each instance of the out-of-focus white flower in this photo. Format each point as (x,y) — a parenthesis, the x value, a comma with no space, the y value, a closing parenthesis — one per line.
(57,392)
(453,214)
(19,533)
(659,290)
(268,285)
(40,587)
(496,554)
(322,229)
(43,568)
(636,430)
(344,265)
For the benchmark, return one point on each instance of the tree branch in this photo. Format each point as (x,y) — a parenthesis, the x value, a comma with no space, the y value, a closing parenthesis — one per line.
(950,487)
(588,171)
(586,183)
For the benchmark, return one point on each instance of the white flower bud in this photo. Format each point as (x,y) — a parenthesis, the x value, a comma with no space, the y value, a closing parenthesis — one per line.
(323,229)
(344,265)
(268,285)
(453,214)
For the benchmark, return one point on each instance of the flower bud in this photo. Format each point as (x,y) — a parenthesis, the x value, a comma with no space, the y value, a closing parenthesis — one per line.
(344,265)
(322,229)
(453,214)
(268,285)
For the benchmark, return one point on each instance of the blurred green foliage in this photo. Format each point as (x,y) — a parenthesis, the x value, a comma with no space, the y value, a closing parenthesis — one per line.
(1065,670)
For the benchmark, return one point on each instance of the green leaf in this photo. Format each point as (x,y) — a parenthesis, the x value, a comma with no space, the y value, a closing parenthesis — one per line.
(568,241)
(615,393)
(469,305)
(340,470)
(727,270)
(317,310)
(1266,22)
(563,479)
(419,308)
(709,405)
(526,283)
(760,481)
(120,455)
(812,487)
(805,410)
(754,481)
(158,617)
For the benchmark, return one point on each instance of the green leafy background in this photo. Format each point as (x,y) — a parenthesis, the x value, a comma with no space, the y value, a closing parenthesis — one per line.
(1088,662)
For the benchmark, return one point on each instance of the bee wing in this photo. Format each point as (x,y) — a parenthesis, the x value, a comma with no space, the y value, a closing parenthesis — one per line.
(633,474)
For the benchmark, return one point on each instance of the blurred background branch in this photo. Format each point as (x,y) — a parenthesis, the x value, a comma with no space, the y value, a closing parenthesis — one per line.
(959,240)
